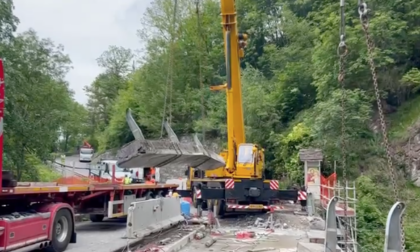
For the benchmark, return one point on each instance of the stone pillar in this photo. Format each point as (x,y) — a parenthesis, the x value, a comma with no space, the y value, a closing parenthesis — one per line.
(312,160)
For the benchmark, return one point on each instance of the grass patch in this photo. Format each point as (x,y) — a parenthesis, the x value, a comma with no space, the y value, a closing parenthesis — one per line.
(405,117)
(47,174)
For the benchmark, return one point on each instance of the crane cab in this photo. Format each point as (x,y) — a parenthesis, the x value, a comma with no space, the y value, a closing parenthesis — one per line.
(249,161)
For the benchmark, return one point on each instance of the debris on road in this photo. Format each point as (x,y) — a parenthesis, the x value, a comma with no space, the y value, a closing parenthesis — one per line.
(275,231)
(199,235)
(210,242)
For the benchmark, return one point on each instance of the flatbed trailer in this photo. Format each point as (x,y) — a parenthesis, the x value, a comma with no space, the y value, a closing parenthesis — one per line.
(43,214)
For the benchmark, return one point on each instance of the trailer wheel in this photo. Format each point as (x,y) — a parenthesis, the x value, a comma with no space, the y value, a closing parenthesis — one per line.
(62,231)
(96,217)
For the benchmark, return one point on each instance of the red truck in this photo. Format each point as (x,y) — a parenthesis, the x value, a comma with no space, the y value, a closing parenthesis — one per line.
(42,214)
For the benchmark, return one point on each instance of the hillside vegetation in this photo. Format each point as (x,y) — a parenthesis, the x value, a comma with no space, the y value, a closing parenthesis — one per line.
(291,93)
(39,106)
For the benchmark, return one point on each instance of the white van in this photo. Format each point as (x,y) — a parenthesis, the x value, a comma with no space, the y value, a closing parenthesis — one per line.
(105,170)
(85,154)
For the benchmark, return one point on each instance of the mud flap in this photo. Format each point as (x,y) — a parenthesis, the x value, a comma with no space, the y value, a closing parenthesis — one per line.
(212,193)
(287,195)
(185,193)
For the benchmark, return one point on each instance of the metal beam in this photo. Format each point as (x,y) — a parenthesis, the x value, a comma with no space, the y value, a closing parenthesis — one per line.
(393,241)
(134,127)
(330,242)
(170,132)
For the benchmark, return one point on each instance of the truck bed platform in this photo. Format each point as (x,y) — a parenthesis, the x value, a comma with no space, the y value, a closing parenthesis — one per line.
(36,188)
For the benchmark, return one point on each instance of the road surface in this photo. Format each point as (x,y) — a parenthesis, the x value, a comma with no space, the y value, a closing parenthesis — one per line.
(284,236)
(96,237)
(72,161)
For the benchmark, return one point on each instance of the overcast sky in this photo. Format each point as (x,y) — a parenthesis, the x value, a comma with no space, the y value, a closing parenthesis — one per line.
(86,28)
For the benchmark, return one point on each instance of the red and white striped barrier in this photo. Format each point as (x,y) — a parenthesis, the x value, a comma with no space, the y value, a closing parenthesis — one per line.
(302,195)
(235,206)
(229,184)
(197,193)
(274,184)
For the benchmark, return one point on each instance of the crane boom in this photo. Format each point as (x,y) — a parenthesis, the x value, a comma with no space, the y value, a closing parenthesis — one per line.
(233,54)
(234,51)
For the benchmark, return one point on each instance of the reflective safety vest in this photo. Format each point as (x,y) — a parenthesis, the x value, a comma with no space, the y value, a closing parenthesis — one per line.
(126,180)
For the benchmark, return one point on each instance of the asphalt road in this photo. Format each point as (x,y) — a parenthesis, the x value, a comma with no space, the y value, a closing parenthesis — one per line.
(96,237)
(72,161)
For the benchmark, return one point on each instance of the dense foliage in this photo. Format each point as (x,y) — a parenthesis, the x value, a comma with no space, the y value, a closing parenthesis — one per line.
(41,115)
(290,90)
(291,93)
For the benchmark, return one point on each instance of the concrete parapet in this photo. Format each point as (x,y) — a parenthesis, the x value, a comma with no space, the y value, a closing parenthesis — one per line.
(313,247)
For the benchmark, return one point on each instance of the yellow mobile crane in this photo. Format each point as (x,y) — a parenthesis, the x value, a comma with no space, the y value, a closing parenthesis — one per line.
(241,184)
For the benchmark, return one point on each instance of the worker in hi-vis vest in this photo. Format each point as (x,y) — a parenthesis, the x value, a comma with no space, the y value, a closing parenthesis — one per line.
(175,194)
(150,177)
(153,180)
(127,180)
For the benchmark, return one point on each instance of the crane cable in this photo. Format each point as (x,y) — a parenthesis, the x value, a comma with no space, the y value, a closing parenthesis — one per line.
(200,73)
(364,19)
(169,76)
(342,51)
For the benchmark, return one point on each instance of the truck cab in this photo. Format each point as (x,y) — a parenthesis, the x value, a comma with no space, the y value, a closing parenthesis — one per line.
(139,175)
(86,154)
(104,170)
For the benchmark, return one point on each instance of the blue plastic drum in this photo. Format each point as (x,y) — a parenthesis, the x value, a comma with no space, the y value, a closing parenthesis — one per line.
(185,208)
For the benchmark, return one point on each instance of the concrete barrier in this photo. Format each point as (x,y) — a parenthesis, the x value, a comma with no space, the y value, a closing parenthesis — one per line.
(151,216)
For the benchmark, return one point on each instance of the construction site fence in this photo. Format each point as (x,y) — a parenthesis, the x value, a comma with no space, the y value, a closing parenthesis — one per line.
(327,188)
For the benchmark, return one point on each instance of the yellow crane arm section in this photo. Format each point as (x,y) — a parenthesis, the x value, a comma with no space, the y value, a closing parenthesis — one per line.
(233,53)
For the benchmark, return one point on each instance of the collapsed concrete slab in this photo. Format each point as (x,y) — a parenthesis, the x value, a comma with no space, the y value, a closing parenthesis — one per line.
(159,153)
(165,152)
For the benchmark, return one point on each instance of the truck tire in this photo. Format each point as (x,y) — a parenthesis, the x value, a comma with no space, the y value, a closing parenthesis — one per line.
(96,217)
(62,231)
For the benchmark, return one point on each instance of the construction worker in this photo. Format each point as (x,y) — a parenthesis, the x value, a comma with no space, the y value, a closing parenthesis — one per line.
(175,194)
(133,177)
(127,180)
(152,171)
(153,180)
